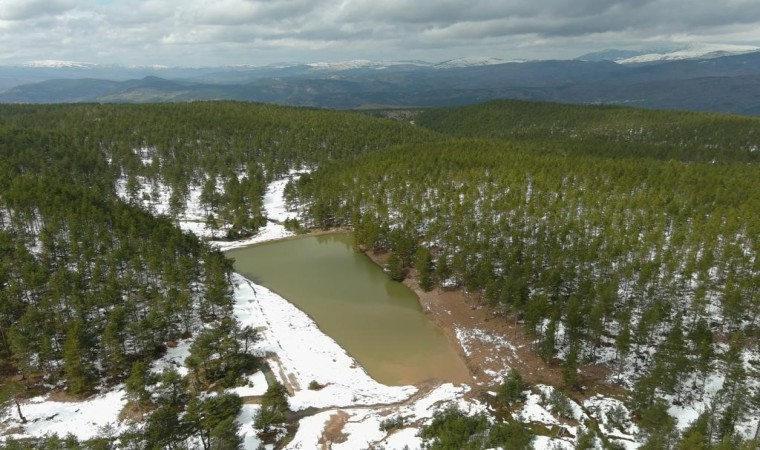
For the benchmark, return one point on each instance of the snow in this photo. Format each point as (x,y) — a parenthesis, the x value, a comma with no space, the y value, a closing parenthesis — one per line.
(276,210)
(603,409)
(310,431)
(361,64)
(343,65)
(403,438)
(58,64)
(695,51)
(533,411)
(305,354)
(174,358)
(362,427)
(83,419)
(547,443)
(245,419)
(256,386)
(153,196)
(298,353)
(472,61)
(468,337)
(445,395)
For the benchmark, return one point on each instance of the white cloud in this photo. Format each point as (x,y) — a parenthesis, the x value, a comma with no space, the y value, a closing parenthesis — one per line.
(30,9)
(201,32)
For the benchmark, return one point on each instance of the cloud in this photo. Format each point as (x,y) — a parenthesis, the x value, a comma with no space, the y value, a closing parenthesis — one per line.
(201,32)
(17,10)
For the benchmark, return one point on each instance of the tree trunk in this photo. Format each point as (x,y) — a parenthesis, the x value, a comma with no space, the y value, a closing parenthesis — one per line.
(18,409)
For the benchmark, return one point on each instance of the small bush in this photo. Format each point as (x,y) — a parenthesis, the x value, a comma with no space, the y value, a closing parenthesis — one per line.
(511,390)
(315,386)
(561,404)
(392,423)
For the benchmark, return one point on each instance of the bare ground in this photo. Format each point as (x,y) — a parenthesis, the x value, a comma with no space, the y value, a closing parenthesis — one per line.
(333,433)
(496,342)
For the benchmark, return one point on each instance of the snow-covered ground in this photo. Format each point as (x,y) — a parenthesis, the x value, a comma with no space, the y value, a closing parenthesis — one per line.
(277,212)
(83,419)
(299,353)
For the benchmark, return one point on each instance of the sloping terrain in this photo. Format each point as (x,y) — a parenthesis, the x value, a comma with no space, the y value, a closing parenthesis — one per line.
(724,84)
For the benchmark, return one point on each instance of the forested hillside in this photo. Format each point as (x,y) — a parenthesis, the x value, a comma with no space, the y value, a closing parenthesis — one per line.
(227,150)
(618,237)
(94,287)
(625,132)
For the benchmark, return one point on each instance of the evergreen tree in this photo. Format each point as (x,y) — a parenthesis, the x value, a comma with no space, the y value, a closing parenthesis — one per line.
(395,268)
(136,385)
(511,389)
(76,365)
(274,408)
(423,264)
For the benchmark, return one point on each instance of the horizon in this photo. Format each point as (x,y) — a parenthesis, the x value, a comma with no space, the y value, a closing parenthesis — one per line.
(705,48)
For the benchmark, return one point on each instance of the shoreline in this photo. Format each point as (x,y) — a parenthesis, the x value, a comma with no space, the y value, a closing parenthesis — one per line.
(487,343)
(490,344)
(468,379)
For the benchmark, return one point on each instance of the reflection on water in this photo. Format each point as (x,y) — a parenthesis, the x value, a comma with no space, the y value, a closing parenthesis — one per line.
(378,321)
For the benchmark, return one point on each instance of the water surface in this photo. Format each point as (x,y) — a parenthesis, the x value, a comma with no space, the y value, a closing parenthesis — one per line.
(378,321)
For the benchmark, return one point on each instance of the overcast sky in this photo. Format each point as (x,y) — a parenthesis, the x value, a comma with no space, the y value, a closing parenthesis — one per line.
(258,32)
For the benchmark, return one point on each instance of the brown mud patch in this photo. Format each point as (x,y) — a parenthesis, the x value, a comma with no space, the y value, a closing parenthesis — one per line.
(491,343)
(333,430)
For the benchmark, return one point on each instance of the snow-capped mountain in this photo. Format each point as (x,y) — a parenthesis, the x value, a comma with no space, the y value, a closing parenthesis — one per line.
(362,64)
(471,62)
(58,64)
(694,51)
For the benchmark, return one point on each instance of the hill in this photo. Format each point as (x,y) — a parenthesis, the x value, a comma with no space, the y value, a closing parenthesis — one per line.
(622,242)
(711,83)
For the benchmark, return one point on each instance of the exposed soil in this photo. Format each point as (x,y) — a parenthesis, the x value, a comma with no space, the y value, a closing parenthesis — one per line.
(496,342)
(333,433)
(60,395)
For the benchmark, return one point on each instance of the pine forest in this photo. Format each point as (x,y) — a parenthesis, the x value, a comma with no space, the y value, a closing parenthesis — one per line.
(618,238)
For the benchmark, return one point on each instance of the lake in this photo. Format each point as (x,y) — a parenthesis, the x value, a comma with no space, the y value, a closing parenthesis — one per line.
(378,321)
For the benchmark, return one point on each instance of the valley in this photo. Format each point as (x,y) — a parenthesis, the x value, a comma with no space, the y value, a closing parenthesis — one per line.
(595,267)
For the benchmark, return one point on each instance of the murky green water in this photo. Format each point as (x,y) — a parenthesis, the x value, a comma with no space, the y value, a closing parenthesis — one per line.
(378,321)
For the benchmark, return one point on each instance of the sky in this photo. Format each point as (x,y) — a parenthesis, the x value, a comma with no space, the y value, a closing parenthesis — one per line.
(196,33)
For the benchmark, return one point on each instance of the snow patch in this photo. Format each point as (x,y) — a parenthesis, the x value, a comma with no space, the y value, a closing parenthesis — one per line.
(301,353)
(58,64)
(695,51)
(472,61)
(83,419)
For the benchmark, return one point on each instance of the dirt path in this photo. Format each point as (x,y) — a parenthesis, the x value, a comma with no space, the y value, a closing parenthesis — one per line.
(332,431)
(422,390)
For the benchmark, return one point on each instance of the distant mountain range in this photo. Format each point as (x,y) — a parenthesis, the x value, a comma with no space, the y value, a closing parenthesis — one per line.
(711,78)
(695,51)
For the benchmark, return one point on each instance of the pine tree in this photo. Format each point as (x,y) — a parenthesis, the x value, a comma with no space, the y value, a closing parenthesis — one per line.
(395,268)
(274,407)
(76,361)
(137,384)
(423,264)
(12,391)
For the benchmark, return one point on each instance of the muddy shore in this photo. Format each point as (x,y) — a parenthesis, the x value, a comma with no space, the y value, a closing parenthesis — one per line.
(492,343)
